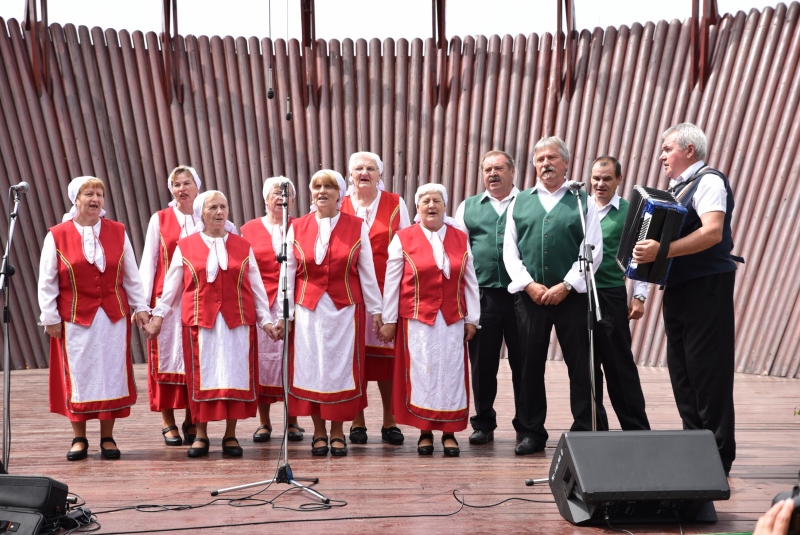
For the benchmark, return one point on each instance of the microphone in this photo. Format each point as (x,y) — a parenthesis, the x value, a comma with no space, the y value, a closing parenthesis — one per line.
(270,93)
(574,186)
(288,111)
(22,187)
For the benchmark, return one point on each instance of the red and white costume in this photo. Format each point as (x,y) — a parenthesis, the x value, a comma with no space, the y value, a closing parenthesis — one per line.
(88,282)
(430,304)
(266,241)
(331,279)
(166,378)
(218,287)
(384,217)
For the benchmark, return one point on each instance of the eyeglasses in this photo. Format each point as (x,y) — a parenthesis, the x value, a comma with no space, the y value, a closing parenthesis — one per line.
(361,169)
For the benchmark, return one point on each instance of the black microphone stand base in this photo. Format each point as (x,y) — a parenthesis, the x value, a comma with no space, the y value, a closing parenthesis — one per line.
(283,475)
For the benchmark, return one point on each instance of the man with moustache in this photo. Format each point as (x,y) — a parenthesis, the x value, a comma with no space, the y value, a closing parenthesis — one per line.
(698,299)
(541,250)
(612,341)
(483,218)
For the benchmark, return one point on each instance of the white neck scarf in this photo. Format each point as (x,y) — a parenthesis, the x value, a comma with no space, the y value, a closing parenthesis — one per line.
(217,256)
(323,238)
(442,260)
(92,248)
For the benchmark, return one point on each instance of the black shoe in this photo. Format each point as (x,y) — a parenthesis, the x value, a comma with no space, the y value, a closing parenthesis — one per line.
(527,446)
(187,438)
(392,435)
(198,452)
(480,436)
(338,452)
(106,453)
(262,437)
(321,451)
(171,441)
(233,451)
(425,450)
(78,455)
(358,435)
(449,451)
(295,436)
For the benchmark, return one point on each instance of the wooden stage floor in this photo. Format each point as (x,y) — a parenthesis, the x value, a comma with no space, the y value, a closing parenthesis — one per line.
(379,480)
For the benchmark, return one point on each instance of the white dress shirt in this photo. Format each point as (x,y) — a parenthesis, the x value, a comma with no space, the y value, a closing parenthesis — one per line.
(499,206)
(520,277)
(710,195)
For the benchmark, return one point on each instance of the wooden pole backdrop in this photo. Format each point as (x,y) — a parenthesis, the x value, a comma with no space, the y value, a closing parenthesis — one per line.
(109,107)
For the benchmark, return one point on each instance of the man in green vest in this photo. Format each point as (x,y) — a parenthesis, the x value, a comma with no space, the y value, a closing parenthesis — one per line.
(541,250)
(613,336)
(483,218)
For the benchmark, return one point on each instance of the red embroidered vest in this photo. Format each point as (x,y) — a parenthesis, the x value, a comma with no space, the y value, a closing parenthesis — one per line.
(82,287)
(230,293)
(424,289)
(383,229)
(338,272)
(169,234)
(261,241)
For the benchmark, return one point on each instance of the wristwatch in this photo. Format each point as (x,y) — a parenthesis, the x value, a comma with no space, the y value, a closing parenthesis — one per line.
(640,297)
(567,285)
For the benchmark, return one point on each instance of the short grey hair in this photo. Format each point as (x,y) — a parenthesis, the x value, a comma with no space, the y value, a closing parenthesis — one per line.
(552,141)
(689,134)
(507,156)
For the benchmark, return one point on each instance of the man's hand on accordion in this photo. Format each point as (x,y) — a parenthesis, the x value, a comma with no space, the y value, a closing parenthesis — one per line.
(536,291)
(645,251)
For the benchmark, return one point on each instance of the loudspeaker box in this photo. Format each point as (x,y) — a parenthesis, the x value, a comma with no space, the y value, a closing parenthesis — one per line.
(35,493)
(637,477)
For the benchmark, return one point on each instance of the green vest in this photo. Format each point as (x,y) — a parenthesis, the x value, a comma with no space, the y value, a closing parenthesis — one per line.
(609,274)
(486,232)
(548,242)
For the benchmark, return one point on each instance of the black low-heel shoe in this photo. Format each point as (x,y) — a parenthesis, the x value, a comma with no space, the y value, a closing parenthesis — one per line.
(321,451)
(262,437)
(106,453)
(78,455)
(358,435)
(392,435)
(233,451)
(425,450)
(449,451)
(297,435)
(338,452)
(198,452)
(171,441)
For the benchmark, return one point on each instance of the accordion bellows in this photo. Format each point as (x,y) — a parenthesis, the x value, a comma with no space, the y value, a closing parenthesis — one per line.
(653,215)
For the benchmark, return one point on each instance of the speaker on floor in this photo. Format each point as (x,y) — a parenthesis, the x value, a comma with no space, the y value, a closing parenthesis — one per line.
(637,477)
(34,493)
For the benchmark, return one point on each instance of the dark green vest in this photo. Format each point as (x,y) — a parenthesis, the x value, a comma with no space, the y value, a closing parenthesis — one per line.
(609,274)
(486,231)
(548,243)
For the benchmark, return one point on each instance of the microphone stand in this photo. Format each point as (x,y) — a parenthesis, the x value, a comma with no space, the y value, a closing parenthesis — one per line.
(6,272)
(284,473)
(594,315)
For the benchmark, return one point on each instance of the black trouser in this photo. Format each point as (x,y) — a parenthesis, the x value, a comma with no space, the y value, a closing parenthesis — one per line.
(498,322)
(612,347)
(535,322)
(699,323)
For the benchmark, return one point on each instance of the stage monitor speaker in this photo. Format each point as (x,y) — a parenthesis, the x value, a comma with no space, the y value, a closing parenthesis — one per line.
(34,493)
(20,522)
(637,477)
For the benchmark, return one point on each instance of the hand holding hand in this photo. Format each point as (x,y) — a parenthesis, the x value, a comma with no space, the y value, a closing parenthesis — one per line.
(154,327)
(536,291)
(387,332)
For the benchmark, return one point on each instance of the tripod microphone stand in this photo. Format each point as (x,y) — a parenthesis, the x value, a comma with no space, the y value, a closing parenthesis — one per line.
(284,473)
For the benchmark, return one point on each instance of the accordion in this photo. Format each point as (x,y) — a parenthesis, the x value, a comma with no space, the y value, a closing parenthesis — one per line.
(653,215)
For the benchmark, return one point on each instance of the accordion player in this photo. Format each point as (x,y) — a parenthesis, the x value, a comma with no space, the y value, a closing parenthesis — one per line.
(653,215)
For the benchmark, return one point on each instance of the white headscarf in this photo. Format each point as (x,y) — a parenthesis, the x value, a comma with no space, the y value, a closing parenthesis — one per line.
(271,182)
(442,260)
(173,202)
(352,164)
(72,192)
(197,206)
(339,180)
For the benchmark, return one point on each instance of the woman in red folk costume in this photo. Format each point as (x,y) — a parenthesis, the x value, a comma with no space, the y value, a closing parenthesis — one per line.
(384,214)
(265,235)
(166,378)
(331,279)
(214,276)
(88,285)
(431,303)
